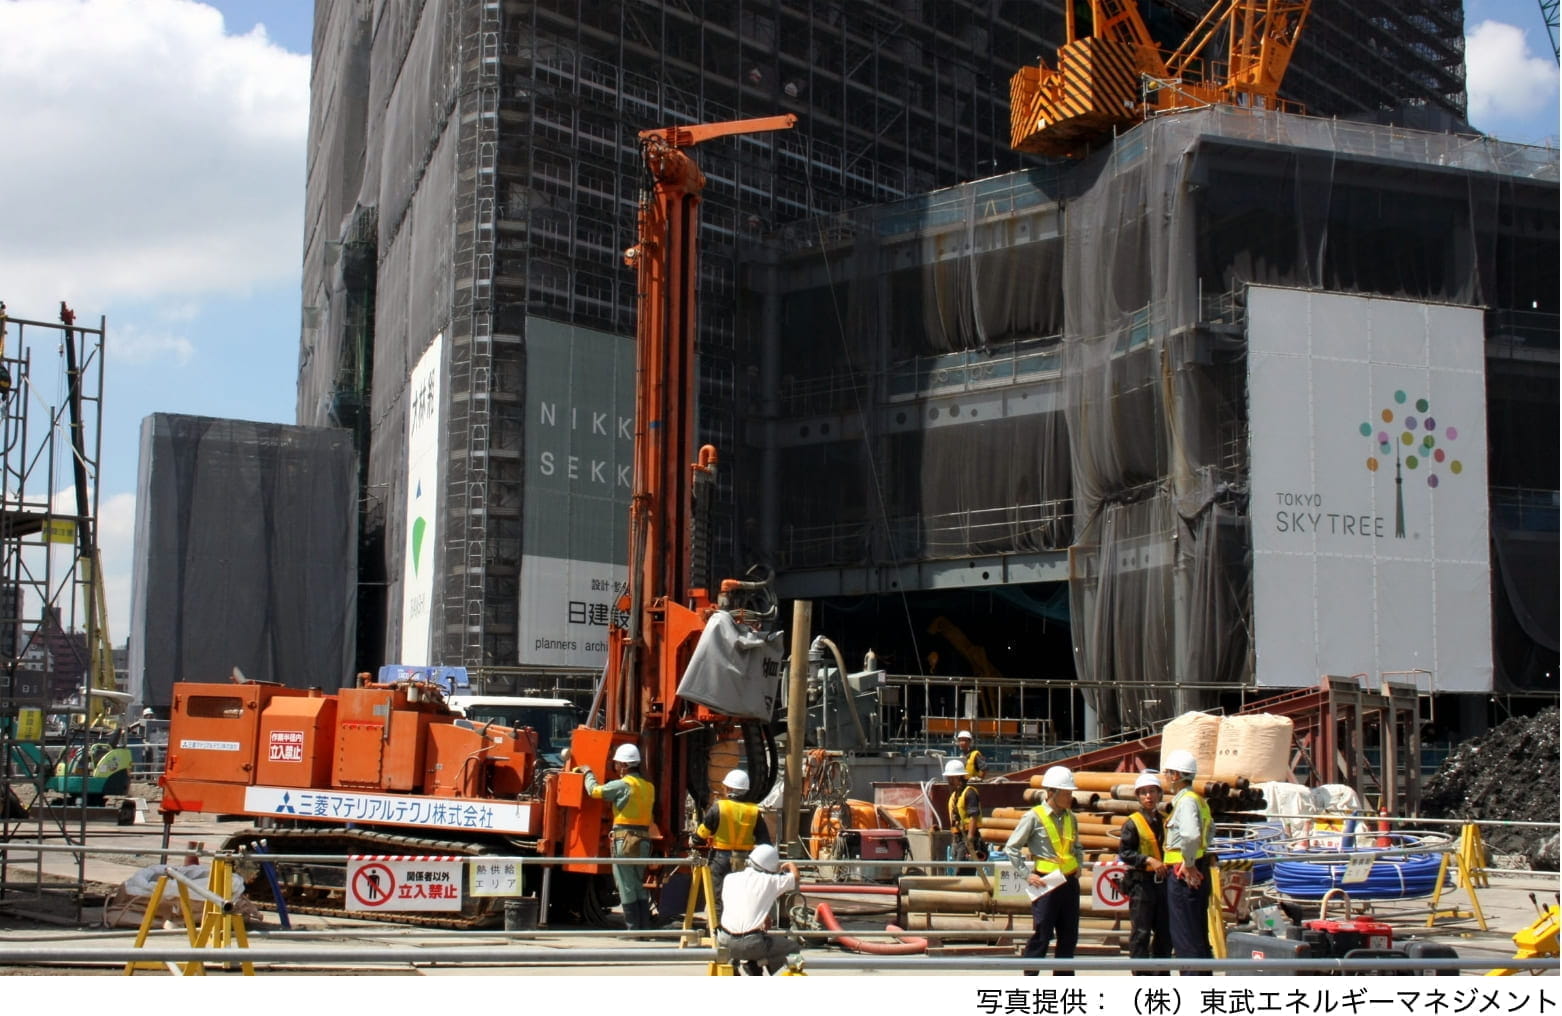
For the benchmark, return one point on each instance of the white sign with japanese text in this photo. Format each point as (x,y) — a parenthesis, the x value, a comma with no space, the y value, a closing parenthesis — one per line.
(286,746)
(383,882)
(425,421)
(390,809)
(491,877)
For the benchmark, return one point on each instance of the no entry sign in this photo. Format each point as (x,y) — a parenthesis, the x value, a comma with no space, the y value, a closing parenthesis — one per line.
(395,882)
(1108,889)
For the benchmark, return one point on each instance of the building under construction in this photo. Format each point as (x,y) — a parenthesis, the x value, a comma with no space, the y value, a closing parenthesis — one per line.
(996,415)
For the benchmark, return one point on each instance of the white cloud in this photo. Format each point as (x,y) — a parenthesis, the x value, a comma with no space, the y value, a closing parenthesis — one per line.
(1504,79)
(116,539)
(149,154)
(133,343)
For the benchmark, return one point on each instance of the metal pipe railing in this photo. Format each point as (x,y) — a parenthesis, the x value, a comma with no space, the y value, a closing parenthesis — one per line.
(378,954)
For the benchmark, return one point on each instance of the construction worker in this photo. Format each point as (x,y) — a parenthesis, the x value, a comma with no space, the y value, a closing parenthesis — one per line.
(1188,859)
(733,827)
(975,765)
(1051,834)
(631,796)
(965,815)
(1139,847)
(746,900)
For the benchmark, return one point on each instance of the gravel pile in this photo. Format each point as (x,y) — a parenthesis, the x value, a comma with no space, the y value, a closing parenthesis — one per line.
(1510,772)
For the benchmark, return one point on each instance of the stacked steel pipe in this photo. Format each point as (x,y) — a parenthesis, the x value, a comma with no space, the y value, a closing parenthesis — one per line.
(1102,804)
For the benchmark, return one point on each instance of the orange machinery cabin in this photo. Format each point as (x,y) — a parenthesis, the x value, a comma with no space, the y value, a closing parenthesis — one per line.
(398,738)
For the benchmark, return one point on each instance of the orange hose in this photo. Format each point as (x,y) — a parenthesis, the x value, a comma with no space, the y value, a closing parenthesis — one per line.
(907,946)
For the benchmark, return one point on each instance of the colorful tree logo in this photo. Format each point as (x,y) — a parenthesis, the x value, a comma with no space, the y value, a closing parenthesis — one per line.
(1411,435)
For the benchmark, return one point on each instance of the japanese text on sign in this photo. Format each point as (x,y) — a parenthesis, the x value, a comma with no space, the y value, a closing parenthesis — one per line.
(403,883)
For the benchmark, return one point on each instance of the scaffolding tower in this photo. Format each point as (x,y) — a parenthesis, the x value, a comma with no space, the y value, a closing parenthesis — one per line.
(52,628)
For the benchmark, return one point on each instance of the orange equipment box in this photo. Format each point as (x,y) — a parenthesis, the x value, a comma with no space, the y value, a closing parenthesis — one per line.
(213,731)
(297,736)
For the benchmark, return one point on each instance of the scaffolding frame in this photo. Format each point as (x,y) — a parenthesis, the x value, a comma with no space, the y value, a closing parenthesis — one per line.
(46,582)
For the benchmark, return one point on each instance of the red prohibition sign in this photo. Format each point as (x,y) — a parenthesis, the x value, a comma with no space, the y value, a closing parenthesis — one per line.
(374,885)
(1109,885)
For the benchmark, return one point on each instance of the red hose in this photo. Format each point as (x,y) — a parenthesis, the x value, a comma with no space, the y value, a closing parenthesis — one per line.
(907,946)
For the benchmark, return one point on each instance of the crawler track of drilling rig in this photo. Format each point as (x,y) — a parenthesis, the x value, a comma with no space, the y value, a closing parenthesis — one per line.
(320,888)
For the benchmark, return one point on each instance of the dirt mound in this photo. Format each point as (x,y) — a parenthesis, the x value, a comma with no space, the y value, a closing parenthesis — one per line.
(1510,772)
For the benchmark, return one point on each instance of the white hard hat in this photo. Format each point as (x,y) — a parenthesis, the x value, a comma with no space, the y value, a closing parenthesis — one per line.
(954,767)
(766,858)
(627,753)
(1059,778)
(1182,761)
(964,735)
(737,780)
(1148,778)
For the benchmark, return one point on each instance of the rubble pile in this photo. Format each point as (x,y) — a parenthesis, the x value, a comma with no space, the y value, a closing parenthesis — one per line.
(1510,772)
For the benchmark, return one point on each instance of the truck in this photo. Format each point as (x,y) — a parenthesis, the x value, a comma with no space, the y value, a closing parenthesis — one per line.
(403,766)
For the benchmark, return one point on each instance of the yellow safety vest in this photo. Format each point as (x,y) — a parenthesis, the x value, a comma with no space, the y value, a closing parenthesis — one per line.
(636,811)
(735,828)
(975,765)
(1149,846)
(1175,856)
(959,818)
(1062,843)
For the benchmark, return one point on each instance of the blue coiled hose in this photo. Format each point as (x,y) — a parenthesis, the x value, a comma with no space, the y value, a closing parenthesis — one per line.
(1251,846)
(1405,876)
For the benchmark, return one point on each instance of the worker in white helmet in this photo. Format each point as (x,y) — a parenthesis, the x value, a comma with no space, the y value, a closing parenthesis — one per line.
(965,815)
(732,826)
(747,898)
(1139,847)
(975,765)
(1187,859)
(631,797)
(1050,833)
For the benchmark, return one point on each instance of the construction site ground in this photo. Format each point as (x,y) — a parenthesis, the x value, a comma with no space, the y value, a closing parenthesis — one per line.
(37,920)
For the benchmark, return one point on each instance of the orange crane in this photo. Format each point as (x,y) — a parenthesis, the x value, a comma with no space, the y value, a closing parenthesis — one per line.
(1112,74)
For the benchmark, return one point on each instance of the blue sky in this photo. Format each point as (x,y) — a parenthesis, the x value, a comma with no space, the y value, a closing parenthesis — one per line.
(155,176)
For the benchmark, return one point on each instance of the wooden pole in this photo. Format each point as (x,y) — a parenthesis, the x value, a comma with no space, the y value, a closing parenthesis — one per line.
(796,721)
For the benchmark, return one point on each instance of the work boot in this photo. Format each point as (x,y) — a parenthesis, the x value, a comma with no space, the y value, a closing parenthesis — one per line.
(649,920)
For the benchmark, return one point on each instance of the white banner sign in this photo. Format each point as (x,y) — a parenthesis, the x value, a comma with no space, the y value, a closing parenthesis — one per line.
(421,551)
(391,809)
(378,882)
(1369,501)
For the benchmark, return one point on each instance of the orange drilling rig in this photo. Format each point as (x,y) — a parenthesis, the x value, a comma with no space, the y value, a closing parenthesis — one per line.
(1112,74)
(388,767)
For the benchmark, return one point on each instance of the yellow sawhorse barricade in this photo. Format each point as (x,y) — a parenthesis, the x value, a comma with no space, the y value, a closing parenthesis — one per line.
(1469,861)
(219,925)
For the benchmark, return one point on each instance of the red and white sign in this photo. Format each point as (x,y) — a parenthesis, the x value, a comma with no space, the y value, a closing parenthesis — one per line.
(286,746)
(394,882)
(1108,890)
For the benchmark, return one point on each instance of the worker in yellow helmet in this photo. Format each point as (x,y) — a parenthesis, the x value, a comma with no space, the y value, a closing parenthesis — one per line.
(965,815)
(631,797)
(975,765)
(1050,833)
(1139,847)
(732,826)
(1188,859)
